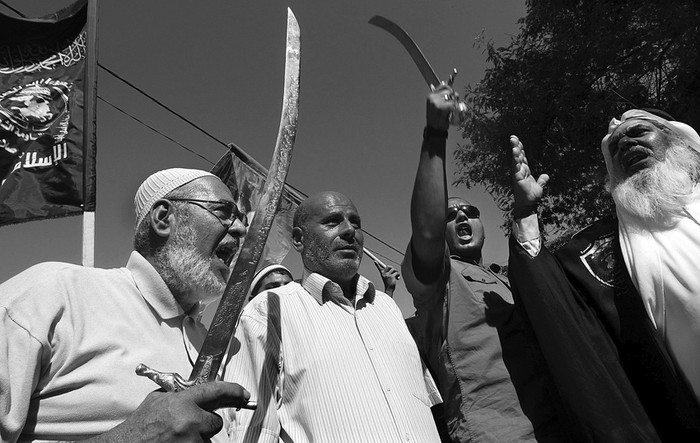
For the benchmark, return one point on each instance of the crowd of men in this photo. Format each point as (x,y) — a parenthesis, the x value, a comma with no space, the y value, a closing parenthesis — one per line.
(595,342)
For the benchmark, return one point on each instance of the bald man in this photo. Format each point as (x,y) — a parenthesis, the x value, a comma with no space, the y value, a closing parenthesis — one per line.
(71,337)
(330,359)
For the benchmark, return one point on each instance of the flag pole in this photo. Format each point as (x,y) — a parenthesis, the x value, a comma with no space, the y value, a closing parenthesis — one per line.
(89,136)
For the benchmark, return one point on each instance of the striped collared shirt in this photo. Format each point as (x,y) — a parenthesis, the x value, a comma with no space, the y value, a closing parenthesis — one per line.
(327,369)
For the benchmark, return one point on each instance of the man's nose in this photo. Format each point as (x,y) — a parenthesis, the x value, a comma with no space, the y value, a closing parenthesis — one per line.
(347,230)
(626,142)
(461,215)
(237,228)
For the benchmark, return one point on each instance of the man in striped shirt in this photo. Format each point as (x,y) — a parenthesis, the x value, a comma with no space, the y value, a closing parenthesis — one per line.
(329,359)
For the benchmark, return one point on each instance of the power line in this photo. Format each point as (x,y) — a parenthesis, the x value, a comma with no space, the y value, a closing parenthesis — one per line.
(13,9)
(162,105)
(189,122)
(155,130)
(204,132)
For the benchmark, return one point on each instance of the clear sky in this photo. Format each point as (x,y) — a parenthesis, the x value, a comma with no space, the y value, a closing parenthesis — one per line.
(221,64)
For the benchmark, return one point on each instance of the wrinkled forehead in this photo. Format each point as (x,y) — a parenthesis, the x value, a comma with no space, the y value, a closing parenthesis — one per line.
(208,188)
(340,204)
(457,201)
(682,130)
(324,204)
(632,117)
(277,273)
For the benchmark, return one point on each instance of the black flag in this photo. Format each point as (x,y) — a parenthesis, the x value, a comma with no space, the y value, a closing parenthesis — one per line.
(44,146)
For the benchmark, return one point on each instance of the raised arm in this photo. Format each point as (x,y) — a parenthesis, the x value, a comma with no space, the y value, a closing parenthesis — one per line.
(389,276)
(527,191)
(429,199)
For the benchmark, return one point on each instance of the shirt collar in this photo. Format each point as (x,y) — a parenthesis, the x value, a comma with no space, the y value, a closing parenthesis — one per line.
(155,291)
(472,262)
(322,289)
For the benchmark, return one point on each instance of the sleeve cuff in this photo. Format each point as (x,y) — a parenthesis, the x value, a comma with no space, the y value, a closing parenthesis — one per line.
(527,232)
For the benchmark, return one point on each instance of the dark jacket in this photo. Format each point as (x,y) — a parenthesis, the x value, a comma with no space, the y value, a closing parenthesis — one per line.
(613,374)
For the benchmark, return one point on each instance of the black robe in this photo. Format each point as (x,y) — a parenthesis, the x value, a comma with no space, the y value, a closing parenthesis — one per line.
(613,374)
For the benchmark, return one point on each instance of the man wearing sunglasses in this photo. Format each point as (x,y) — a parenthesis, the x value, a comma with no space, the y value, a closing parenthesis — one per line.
(465,311)
(71,337)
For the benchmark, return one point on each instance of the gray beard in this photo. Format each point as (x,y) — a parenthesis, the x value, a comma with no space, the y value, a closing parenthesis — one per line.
(660,193)
(187,272)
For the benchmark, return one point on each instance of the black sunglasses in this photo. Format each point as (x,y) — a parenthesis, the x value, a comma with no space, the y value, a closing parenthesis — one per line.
(469,210)
(226,211)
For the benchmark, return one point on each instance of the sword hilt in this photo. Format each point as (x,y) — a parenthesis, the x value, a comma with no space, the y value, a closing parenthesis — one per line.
(460,113)
(169,381)
(173,382)
(451,78)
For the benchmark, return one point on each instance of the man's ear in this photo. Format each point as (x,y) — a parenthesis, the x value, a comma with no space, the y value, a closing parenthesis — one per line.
(161,216)
(297,238)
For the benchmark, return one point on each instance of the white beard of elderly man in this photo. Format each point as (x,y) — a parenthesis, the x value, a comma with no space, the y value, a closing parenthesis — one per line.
(653,168)
(624,292)
(71,336)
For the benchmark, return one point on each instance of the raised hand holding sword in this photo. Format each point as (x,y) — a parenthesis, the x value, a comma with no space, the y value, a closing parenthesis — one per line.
(457,108)
(445,108)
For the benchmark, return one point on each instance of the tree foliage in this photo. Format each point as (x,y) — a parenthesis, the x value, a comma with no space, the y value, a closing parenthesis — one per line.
(573,66)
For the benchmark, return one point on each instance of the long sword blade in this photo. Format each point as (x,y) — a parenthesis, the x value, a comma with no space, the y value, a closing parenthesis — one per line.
(224,322)
(413,50)
(231,304)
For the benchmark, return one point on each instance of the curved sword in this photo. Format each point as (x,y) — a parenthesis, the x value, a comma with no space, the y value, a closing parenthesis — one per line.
(459,115)
(413,50)
(223,324)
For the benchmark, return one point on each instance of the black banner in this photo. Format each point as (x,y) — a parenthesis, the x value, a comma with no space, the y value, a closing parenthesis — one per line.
(42,90)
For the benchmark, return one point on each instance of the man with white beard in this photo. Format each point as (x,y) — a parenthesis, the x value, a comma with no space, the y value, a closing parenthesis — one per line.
(71,337)
(617,310)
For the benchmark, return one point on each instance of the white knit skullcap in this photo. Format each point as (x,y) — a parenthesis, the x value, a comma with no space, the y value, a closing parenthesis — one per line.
(264,272)
(158,185)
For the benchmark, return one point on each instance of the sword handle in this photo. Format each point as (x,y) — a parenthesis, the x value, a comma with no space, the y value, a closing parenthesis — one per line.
(451,78)
(169,381)
(459,114)
(173,382)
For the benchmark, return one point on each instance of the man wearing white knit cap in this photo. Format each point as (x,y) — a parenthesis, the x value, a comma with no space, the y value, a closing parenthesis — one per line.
(71,337)
(269,277)
(617,310)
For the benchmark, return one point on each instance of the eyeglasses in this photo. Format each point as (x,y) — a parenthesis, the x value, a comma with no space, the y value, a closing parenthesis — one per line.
(226,212)
(469,210)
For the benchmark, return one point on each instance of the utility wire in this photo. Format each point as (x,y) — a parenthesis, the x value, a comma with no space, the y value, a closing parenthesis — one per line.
(192,124)
(155,130)
(13,9)
(117,76)
(162,105)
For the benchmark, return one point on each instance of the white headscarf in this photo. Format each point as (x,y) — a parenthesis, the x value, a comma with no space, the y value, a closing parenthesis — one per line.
(685,132)
(664,263)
